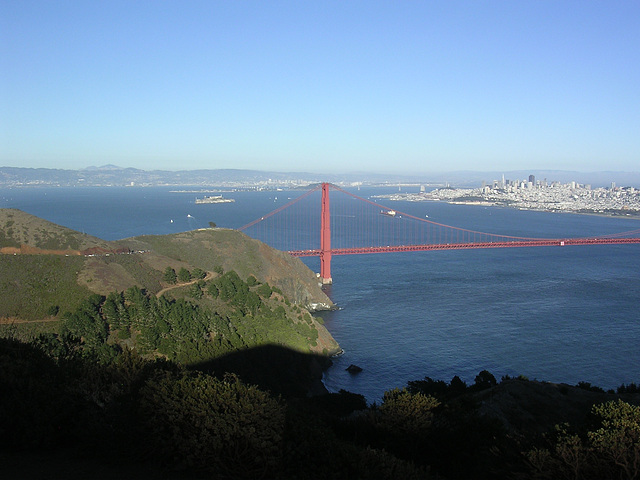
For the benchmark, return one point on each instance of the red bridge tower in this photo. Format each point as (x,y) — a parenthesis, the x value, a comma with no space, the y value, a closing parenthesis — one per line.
(325,238)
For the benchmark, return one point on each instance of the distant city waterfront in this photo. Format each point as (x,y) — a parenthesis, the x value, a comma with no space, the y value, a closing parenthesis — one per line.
(531,195)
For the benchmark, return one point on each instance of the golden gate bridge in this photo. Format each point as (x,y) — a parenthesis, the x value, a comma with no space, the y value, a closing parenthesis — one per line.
(357,225)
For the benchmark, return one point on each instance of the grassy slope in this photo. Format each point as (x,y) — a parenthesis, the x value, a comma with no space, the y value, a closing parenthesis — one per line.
(205,249)
(119,272)
(31,284)
(233,250)
(18,227)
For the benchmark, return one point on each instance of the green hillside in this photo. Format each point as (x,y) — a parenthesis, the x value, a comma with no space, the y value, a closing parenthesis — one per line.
(19,228)
(39,286)
(227,291)
(232,250)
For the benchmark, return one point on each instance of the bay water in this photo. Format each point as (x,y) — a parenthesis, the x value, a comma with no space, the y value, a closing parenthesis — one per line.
(560,314)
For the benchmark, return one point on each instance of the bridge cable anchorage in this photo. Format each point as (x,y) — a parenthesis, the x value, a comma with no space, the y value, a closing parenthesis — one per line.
(358,227)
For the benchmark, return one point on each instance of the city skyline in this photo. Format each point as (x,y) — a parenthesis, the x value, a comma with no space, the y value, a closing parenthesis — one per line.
(333,86)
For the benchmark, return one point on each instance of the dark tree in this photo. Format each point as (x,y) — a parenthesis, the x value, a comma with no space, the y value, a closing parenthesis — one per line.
(485,379)
(170,275)
(457,386)
(264,290)
(198,273)
(184,275)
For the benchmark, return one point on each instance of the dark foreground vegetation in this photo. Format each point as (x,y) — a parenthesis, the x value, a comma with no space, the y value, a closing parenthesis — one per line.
(65,413)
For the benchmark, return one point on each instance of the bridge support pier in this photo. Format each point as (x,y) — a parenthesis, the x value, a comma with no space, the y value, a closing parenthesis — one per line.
(325,238)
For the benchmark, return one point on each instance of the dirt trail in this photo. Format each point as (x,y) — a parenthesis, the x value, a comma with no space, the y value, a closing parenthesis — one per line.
(209,276)
(12,320)
(29,250)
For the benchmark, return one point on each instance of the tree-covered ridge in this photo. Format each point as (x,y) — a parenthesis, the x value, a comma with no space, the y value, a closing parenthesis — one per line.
(223,315)
(233,250)
(131,410)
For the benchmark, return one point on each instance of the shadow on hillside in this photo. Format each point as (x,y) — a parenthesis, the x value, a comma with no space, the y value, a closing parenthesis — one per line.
(77,418)
(275,368)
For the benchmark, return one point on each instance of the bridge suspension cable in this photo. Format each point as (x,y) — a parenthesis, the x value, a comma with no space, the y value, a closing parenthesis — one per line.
(364,226)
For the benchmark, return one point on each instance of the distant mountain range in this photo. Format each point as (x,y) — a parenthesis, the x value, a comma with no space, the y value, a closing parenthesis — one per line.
(112,175)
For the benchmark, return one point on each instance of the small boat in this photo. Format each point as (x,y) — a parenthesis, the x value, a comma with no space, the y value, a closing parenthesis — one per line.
(388,213)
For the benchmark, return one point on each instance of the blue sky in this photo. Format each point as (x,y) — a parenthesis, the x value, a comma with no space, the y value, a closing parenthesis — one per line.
(321,86)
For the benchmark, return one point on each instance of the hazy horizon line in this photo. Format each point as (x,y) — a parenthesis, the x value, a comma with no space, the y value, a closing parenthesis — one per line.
(353,172)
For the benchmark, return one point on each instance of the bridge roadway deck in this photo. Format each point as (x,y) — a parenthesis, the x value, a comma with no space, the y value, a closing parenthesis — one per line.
(462,246)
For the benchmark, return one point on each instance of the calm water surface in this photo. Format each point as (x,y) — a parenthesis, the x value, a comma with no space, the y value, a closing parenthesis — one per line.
(559,314)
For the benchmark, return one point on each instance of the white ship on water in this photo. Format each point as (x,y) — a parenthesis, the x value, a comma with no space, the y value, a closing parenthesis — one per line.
(214,199)
(388,213)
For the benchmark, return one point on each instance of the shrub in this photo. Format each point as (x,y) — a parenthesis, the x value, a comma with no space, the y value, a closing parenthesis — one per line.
(403,412)
(611,451)
(264,290)
(124,334)
(484,380)
(198,273)
(617,441)
(428,386)
(589,387)
(221,426)
(457,386)
(212,289)
(631,388)
(195,291)
(169,275)
(184,275)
